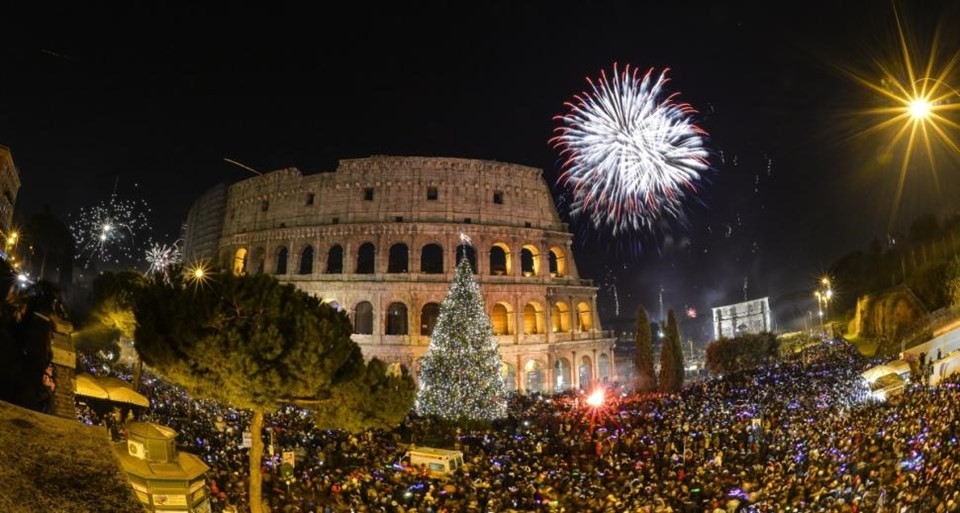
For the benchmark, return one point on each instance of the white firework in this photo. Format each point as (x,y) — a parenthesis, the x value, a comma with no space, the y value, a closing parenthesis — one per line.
(161,258)
(111,231)
(632,153)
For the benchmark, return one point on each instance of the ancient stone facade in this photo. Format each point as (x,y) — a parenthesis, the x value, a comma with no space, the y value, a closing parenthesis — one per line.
(9,187)
(380,238)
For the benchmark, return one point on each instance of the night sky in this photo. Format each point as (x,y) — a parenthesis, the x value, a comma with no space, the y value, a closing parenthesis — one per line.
(153,99)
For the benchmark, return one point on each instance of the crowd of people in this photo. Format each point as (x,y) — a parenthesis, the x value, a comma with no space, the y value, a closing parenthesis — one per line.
(796,436)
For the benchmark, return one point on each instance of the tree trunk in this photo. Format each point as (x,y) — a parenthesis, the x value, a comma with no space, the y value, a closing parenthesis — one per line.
(256,459)
(137,374)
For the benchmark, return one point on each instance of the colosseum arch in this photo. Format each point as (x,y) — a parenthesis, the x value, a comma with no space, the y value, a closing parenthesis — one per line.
(240,262)
(428,318)
(509,375)
(500,259)
(258,259)
(534,376)
(557,262)
(584,317)
(399,259)
(532,318)
(603,367)
(502,319)
(397,319)
(530,260)
(560,317)
(471,254)
(363,318)
(366,258)
(563,373)
(306,261)
(335,259)
(431,259)
(282,256)
(585,371)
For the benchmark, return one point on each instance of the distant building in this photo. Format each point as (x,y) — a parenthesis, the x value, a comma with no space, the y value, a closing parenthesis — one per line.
(9,187)
(748,317)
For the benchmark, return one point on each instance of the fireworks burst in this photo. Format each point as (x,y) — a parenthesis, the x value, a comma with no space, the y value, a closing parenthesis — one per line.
(632,153)
(161,258)
(111,231)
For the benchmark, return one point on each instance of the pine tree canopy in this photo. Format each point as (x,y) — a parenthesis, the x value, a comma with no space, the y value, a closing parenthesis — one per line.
(646,375)
(461,374)
(254,343)
(671,357)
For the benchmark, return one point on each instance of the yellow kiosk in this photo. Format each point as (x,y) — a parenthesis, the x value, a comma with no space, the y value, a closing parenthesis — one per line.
(165,480)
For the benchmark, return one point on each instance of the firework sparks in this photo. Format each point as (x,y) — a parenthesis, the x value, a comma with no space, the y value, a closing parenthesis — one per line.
(111,231)
(161,258)
(632,153)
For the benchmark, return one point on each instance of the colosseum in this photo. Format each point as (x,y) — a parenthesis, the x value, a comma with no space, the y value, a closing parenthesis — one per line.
(381,237)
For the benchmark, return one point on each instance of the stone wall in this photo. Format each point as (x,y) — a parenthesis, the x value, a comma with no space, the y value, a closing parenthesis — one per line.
(887,315)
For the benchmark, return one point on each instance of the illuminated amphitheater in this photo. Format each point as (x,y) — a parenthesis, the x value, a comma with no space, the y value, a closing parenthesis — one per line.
(380,239)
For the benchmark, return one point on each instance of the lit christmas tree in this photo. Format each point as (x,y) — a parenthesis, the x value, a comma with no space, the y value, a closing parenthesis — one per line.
(460,376)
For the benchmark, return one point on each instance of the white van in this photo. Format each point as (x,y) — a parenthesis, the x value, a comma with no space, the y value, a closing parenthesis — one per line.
(439,462)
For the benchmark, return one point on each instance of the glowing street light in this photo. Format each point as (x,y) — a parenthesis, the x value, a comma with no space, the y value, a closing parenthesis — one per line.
(920,102)
(920,108)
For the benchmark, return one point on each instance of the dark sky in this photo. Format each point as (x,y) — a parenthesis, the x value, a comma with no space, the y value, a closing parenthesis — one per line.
(153,98)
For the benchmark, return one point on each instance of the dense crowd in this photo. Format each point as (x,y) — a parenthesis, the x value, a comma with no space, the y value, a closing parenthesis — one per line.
(795,436)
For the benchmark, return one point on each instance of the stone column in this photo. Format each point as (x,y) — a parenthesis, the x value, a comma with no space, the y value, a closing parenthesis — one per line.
(520,375)
(518,324)
(596,368)
(64,368)
(575,370)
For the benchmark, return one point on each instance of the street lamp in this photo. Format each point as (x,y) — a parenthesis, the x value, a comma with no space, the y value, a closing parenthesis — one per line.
(824,294)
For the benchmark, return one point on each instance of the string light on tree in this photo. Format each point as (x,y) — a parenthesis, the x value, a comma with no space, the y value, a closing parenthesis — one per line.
(460,376)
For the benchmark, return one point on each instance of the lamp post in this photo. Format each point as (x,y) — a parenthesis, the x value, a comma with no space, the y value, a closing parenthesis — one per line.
(824,295)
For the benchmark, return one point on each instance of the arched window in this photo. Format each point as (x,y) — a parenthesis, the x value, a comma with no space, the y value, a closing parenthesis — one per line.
(258,258)
(366,256)
(536,378)
(584,317)
(396,319)
(363,319)
(586,372)
(470,253)
(556,262)
(501,319)
(499,260)
(431,259)
(560,317)
(399,256)
(335,259)
(306,260)
(240,262)
(428,318)
(563,374)
(530,261)
(281,267)
(603,367)
(532,319)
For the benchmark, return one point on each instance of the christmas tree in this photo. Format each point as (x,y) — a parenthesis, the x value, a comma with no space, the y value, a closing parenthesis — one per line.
(460,376)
